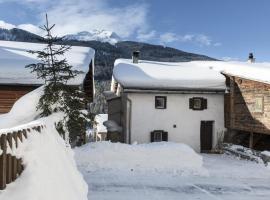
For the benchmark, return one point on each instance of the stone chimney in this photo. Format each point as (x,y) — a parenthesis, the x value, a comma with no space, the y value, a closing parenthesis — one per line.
(251,58)
(135,57)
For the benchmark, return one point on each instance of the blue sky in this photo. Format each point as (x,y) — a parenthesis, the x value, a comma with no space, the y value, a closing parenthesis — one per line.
(222,29)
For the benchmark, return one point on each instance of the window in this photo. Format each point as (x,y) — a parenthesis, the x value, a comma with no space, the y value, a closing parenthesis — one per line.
(197,103)
(159,136)
(258,106)
(160,102)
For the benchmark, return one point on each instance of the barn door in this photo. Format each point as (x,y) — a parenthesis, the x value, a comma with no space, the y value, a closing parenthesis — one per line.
(206,135)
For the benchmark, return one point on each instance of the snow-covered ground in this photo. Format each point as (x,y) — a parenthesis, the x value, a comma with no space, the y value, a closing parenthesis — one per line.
(125,174)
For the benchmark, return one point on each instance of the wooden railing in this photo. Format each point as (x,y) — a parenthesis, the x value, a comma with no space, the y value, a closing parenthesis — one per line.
(11,165)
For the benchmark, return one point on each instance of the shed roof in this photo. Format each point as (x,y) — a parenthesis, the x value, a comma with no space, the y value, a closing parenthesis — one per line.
(14,57)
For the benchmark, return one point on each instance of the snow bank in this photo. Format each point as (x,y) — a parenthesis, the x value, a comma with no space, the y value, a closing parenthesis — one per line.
(23,111)
(143,158)
(50,170)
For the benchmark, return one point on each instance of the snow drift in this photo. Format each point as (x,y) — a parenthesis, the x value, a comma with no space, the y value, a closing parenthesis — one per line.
(50,170)
(154,157)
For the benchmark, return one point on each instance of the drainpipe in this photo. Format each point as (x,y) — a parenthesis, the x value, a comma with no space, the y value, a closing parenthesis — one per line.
(129,120)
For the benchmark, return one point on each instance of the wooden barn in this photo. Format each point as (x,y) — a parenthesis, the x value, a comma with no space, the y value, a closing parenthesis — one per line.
(16,80)
(247,111)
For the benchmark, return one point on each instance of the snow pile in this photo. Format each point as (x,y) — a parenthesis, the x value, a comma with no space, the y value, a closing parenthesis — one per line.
(50,170)
(100,119)
(23,111)
(143,158)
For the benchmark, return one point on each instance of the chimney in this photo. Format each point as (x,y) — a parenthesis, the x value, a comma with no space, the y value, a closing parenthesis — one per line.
(251,58)
(135,57)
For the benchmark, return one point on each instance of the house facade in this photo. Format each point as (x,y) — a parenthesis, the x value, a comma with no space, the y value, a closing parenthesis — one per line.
(196,103)
(155,102)
(16,80)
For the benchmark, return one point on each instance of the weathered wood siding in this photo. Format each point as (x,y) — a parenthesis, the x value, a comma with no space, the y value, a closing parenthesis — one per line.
(240,112)
(10,94)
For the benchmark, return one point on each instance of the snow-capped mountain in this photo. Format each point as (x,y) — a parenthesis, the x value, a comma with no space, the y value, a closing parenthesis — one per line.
(97,35)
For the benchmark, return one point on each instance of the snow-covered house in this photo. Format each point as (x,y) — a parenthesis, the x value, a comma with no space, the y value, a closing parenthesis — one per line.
(16,80)
(190,102)
(100,131)
(179,102)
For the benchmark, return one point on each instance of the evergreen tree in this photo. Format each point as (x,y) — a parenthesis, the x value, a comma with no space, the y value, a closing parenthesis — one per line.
(58,95)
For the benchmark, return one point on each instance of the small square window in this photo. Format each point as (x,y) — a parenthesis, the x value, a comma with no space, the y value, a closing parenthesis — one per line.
(159,136)
(160,102)
(197,103)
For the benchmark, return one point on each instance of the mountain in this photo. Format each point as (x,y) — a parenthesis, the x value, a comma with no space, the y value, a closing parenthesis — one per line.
(20,35)
(95,35)
(108,48)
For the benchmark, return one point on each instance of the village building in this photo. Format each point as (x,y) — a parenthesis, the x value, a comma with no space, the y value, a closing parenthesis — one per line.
(175,102)
(196,103)
(16,80)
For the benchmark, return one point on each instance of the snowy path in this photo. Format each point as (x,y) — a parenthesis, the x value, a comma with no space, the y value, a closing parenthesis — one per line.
(229,178)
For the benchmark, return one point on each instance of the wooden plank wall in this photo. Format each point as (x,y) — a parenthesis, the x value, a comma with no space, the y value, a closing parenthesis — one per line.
(10,94)
(240,103)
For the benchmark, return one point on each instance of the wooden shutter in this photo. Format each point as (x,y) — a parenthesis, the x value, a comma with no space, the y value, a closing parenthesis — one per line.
(165,136)
(152,136)
(191,103)
(204,101)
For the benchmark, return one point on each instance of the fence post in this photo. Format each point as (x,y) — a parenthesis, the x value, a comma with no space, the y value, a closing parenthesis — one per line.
(14,159)
(3,146)
(9,159)
(20,167)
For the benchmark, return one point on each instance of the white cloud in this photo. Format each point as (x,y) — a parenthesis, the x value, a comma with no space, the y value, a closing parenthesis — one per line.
(198,39)
(168,37)
(142,36)
(72,16)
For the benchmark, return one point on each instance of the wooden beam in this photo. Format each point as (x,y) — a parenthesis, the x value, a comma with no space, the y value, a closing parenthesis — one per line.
(251,139)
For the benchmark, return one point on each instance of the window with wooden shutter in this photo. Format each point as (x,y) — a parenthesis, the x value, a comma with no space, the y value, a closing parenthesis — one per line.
(159,136)
(160,102)
(197,103)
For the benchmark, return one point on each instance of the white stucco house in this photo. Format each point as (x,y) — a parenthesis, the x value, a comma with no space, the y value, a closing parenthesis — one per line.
(158,101)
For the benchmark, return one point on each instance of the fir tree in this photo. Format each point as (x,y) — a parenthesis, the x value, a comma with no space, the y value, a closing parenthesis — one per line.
(58,95)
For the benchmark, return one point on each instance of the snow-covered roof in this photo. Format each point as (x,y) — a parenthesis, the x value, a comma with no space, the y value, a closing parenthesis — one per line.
(14,57)
(185,75)
(166,75)
(253,71)
(99,119)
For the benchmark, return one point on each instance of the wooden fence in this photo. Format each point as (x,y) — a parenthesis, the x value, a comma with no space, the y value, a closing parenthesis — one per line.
(11,166)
